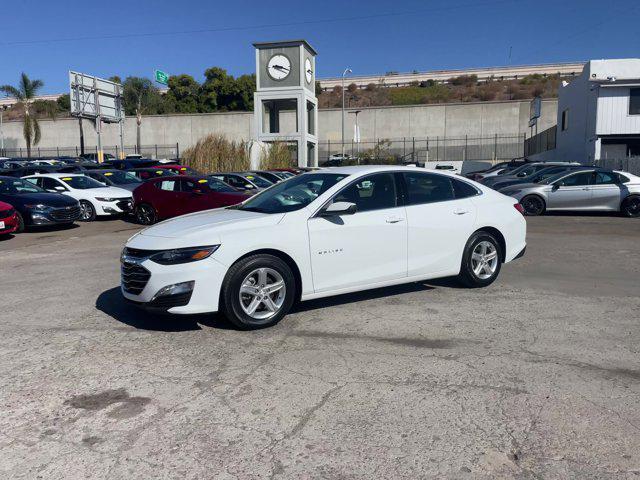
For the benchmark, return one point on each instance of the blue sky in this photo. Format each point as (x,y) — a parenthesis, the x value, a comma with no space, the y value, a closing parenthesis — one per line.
(404,35)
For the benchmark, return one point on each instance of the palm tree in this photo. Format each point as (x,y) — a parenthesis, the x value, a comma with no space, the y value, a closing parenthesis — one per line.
(25,92)
(140,98)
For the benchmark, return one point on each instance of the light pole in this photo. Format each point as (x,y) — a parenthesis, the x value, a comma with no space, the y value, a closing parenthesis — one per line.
(344,74)
(356,135)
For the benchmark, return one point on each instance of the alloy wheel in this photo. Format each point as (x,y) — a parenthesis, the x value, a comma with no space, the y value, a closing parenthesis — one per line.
(145,215)
(262,293)
(484,260)
(632,207)
(86,211)
(532,205)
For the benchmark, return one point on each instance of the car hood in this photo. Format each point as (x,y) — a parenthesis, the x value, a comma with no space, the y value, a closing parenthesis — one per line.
(109,192)
(130,187)
(50,199)
(200,228)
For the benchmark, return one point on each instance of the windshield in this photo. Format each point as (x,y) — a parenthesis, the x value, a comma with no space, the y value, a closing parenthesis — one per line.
(81,182)
(259,181)
(120,177)
(217,185)
(16,185)
(546,173)
(292,194)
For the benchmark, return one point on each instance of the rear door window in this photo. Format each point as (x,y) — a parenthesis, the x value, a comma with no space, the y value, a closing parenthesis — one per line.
(576,180)
(427,188)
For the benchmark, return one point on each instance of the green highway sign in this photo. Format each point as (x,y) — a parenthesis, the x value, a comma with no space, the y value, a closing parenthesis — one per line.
(162,77)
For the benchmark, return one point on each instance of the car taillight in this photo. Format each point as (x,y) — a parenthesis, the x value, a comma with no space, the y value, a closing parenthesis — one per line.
(518,207)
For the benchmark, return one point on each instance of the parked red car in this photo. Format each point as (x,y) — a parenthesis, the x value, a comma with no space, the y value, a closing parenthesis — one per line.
(167,197)
(179,169)
(8,219)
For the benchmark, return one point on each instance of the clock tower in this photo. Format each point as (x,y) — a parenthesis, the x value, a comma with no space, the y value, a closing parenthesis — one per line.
(285,103)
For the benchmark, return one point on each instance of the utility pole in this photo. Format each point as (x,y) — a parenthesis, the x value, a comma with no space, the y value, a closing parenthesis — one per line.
(344,74)
(2,109)
(356,134)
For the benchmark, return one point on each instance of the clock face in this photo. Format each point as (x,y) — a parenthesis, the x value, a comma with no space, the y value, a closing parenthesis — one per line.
(279,67)
(308,72)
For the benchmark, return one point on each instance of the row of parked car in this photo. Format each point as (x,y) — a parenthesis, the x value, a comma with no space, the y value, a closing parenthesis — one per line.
(548,186)
(57,192)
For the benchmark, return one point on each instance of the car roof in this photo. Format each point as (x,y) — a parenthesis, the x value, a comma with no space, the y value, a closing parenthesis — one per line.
(57,175)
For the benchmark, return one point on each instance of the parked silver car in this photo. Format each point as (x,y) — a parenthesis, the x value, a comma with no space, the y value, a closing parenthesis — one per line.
(588,189)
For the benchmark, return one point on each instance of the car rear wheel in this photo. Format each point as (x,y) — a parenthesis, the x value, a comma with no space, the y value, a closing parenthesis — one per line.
(87,212)
(258,291)
(481,261)
(533,205)
(631,206)
(145,214)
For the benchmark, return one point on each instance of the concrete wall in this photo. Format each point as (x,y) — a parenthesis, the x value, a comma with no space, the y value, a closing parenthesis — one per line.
(450,120)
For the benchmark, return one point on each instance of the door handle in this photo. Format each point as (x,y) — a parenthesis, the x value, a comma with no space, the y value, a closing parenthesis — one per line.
(459,211)
(394,220)
(586,188)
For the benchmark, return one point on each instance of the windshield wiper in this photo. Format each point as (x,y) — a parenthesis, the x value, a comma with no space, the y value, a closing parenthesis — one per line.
(252,209)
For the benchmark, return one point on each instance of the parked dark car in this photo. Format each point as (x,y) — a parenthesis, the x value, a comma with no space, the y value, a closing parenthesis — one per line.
(93,157)
(145,174)
(243,181)
(115,178)
(178,169)
(35,206)
(168,197)
(523,171)
(129,163)
(38,169)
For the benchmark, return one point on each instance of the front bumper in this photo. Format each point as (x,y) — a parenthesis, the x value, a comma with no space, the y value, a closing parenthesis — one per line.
(54,216)
(206,274)
(8,224)
(124,205)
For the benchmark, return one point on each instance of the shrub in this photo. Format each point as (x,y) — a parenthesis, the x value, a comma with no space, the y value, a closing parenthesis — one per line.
(276,155)
(427,83)
(380,154)
(371,87)
(466,80)
(214,153)
(352,87)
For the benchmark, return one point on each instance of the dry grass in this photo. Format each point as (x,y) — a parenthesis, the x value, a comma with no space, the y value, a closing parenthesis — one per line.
(276,155)
(215,153)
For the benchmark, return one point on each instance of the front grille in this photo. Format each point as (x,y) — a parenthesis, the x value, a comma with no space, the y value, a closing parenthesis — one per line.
(124,205)
(65,214)
(134,277)
(7,213)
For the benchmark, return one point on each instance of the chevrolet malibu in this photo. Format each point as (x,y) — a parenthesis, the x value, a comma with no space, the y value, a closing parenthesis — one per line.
(323,233)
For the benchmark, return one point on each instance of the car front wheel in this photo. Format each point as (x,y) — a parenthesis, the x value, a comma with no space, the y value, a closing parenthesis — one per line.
(145,214)
(258,291)
(481,261)
(87,212)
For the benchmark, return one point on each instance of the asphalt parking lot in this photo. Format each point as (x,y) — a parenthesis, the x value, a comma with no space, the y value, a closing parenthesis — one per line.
(537,376)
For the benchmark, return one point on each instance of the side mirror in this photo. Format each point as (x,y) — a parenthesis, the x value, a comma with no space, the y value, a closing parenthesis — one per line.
(339,208)
(198,191)
(555,187)
(60,189)
(521,174)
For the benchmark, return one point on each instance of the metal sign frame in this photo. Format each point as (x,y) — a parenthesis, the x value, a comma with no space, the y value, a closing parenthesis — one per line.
(92,97)
(535,110)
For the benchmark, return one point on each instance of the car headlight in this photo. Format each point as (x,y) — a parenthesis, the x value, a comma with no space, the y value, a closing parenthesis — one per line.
(38,207)
(183,255)
(106,199)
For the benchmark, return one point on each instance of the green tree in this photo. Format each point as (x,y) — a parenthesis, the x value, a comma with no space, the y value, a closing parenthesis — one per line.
(183,94)
(222,92)
(140,98)
(64,102)
(25,92)
(115,79)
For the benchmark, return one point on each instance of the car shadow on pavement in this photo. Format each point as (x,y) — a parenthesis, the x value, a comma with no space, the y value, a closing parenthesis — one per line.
(112,303)
(363,296)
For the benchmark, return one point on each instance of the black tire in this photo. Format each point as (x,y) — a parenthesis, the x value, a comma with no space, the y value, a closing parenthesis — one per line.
(533,205)
(230,296)
(20,223)
(87,211)
(468,276)
(145,214)
(631,206)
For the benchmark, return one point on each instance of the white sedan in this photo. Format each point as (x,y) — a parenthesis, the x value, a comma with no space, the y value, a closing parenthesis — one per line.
(94,197)
(324,233)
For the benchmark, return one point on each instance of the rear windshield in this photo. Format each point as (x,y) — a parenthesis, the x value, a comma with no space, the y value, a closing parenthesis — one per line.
(120,177)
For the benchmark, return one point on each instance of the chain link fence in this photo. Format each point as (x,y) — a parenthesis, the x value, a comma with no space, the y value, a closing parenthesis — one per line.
(429,149)
(147,151)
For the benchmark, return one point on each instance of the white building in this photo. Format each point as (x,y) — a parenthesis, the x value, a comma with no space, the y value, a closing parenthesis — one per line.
(599,113)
